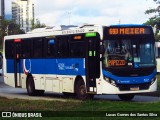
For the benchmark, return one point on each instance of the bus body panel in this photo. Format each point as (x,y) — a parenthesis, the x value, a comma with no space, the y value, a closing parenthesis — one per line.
(73,66)
(157,44)
(9,79)
(158,65)
(56,75)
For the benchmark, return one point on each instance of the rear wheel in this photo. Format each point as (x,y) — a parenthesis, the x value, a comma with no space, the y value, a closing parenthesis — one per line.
(31,88)
(126,97)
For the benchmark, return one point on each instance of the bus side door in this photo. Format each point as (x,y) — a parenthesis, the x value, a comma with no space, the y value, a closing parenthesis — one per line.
(17,64)
(92,61)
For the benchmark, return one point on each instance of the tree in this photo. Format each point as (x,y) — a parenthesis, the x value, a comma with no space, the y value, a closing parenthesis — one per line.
(14,29)
(37,24)
(8,27)
(154,21)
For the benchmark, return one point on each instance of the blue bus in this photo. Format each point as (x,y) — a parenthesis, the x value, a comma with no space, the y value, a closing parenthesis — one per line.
(83,61)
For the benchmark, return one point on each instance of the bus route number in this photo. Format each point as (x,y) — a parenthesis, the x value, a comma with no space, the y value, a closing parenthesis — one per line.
(116,63)
(126,31)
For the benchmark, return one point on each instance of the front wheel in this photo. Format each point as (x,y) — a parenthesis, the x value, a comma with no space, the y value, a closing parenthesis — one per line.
(81,91)
(126,97)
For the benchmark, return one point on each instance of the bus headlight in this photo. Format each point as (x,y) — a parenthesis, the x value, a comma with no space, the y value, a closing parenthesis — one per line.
(153,80)
(112,82)
(107,79)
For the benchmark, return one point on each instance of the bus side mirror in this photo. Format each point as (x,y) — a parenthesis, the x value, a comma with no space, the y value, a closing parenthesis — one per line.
(102,50)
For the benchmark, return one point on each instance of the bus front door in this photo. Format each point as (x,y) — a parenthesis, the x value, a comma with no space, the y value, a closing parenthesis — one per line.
(17,53)
(92,62)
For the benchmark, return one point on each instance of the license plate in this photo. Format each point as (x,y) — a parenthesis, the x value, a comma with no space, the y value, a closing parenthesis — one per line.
(134,88)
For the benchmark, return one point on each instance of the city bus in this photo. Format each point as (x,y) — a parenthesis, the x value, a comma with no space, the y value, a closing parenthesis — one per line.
(158,56)
(82,60)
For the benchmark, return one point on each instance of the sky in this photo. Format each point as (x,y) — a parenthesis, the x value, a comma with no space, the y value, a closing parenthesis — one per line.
(77,12)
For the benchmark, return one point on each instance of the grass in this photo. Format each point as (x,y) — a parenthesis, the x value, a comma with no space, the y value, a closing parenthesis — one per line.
(72,105)
(99,107)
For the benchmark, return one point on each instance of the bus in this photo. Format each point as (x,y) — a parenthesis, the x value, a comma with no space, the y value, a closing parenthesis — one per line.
(82,60)
(158,56)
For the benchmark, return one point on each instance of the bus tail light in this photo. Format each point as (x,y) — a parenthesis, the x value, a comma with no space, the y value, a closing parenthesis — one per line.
(17,40)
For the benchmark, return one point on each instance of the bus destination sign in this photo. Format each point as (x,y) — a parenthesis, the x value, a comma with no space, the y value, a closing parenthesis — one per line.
(129,31)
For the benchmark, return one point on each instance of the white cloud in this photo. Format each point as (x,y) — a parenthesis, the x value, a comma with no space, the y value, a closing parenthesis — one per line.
(54,12)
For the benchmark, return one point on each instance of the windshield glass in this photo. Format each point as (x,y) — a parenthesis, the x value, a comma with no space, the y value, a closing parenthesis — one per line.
(128,53)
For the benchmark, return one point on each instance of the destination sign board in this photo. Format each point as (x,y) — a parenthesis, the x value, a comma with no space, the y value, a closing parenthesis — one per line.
(128,31)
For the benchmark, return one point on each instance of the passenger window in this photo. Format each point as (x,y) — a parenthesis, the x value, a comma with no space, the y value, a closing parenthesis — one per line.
(26,48)
(9,49)
(51,48)
(37,48)
(77,49)
(63,47)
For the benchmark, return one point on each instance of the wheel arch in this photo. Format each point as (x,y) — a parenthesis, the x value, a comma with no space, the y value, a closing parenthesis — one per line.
(79,77)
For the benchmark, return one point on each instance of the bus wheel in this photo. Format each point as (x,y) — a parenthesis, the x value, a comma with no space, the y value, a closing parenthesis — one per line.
(30,87)
(81,92)
(126,97)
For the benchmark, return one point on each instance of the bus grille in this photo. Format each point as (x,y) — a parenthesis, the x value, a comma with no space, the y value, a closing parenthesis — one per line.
(128,87)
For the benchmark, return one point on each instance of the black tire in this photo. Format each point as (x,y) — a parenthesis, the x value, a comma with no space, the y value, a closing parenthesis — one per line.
(126,97)
(81,92)
(30,87)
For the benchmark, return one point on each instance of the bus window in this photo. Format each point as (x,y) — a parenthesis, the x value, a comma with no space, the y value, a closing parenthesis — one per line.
(26,49)
(9,53)
(77,49)
(117,53)
(51,48)
(37,48)
(158,52)
(63,47)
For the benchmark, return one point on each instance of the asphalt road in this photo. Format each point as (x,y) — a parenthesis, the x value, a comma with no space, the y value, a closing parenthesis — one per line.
(11,93)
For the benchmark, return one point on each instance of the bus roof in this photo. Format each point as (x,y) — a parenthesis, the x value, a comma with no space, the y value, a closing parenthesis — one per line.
(58,30)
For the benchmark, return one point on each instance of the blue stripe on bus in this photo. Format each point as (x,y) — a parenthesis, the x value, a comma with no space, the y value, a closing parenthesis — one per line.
(130,80)
(72,66)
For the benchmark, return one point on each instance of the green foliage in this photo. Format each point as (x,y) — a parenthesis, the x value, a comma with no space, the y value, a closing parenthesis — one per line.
(154,21)
(9,28)
(37,24)
(14,29)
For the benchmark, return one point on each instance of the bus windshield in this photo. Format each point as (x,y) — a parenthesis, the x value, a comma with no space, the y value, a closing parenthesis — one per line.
(134,53)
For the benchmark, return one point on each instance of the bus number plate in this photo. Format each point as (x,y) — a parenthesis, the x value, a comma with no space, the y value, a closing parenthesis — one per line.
(134,88)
